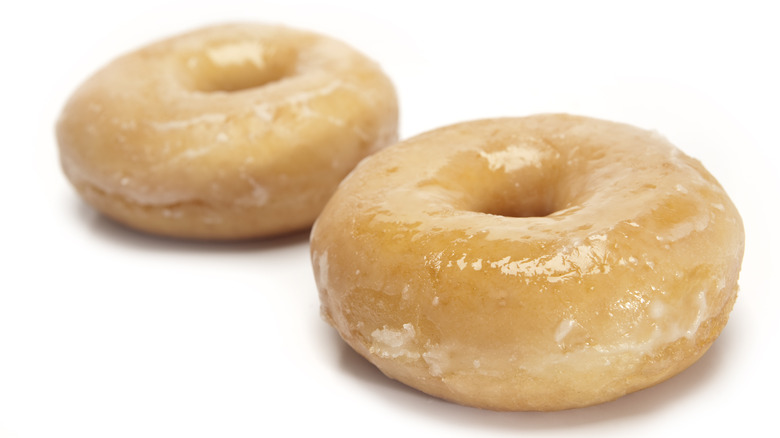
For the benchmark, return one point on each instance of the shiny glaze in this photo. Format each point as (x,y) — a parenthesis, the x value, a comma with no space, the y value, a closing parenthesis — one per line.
(232,131)
(539,263)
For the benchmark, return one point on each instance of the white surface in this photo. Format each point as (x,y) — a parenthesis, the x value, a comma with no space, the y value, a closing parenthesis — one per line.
(108,333)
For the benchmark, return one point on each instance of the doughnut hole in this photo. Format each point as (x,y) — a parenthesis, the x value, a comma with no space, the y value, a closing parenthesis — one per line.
(550,187)
(236,66)
(523,197)
(534,187)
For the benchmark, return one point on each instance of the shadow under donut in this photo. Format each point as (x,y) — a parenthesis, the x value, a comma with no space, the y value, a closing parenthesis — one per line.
(115,232)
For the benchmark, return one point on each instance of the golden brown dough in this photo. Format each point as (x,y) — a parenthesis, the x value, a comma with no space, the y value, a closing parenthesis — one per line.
(232,131)
(538,263)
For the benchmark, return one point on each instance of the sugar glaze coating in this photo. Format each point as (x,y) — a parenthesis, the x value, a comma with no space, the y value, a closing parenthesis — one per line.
(538,263)
(231,131)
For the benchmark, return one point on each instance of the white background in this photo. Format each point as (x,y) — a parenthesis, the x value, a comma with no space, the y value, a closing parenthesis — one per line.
(108,333)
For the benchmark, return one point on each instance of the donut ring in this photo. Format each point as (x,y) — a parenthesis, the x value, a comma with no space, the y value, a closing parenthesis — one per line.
(233,131)
(538,263)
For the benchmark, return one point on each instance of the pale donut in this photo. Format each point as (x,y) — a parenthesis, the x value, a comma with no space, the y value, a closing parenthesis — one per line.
(233,131)
(537,263)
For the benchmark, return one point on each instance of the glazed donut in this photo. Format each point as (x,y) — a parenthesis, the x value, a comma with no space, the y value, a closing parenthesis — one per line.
(233,131)
(538,263)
